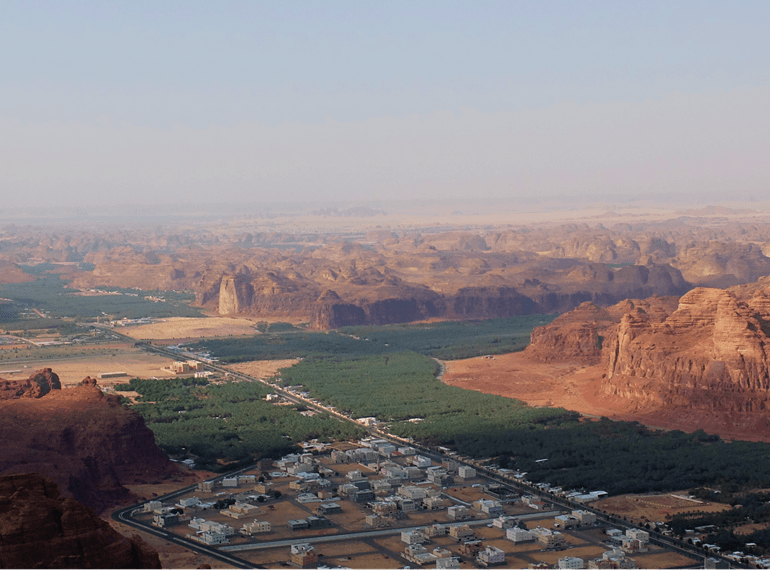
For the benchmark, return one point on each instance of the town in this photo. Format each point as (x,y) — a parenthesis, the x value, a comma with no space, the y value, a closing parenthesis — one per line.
(371,503)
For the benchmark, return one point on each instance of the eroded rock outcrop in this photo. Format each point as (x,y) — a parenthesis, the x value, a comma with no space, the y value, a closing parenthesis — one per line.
(37,385)
(41,529)
(710,350)
(82,439)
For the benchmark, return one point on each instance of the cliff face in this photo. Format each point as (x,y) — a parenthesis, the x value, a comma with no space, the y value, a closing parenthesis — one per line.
(83,440)
(40,529)
(712,352)
(708,351)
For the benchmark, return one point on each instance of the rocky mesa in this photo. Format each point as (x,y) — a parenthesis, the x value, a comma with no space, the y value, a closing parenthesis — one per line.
(80,438)
(708,350)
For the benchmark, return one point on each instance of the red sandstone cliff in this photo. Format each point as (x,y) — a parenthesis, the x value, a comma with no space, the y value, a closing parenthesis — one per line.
(712,352)
(40,529)
(83,440)
(709,351)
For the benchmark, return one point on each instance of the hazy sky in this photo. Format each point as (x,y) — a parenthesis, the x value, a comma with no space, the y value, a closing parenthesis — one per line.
(135,102)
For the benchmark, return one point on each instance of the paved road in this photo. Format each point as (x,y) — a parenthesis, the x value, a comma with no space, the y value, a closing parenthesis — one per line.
(369,533)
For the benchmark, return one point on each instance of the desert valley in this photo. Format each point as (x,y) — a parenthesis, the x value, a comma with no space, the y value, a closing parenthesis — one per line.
(515,361)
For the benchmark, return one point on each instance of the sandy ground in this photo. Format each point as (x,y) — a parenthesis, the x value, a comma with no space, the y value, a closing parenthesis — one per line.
(135,363)
(188,328)
(655,508)
(515,376)
(263,368)
(578,388)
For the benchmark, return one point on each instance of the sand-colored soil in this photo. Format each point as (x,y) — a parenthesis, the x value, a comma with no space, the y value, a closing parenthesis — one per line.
(515,376)
(655,508)
(578,388)
(190,328)
(135,363)
(263,368)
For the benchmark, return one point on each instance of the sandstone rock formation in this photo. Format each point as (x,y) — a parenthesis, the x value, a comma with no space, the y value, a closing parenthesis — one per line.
(709,351)
(397,275)
(712,353)
(40,529)
(37,385)
(82,439)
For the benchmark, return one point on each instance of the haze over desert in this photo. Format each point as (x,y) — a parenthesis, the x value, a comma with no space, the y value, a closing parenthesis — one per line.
(384,284)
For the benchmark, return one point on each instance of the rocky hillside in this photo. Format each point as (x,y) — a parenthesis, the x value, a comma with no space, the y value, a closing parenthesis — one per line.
(710,350)
(37,385)
(41,529)
(82,439)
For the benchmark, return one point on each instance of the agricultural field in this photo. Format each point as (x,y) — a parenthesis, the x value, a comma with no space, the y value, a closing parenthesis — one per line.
(444,340)
(226,424)
(402,387)
(48,297)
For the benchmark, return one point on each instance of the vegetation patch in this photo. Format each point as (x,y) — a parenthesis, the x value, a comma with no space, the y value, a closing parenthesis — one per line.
(48,296)
(549,444)
(446,340)
(229,421)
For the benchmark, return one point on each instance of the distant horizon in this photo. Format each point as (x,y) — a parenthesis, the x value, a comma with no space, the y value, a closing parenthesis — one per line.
(373,212)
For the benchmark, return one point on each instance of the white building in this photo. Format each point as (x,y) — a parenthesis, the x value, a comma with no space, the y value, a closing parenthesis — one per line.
(488,506)
(638,534)
(418,554)
(565,521)
(585,517)
(458,513)
(549,538)
(421,461)
(433,503)
(255,527)
(504,522)
(190,502)
(491,555)
(517,535)
(209,537)
(412,492)
(230,482)
(448,563)
(466,472)
(570,562)
(413,537)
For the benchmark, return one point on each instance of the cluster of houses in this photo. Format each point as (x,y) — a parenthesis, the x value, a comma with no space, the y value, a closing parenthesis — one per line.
(390,482)
(417,553)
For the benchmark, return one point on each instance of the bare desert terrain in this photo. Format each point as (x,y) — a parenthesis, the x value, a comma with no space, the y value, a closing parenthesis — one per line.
(189,328)
(263,368)
(71,370)
(654,508)
(578,388)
